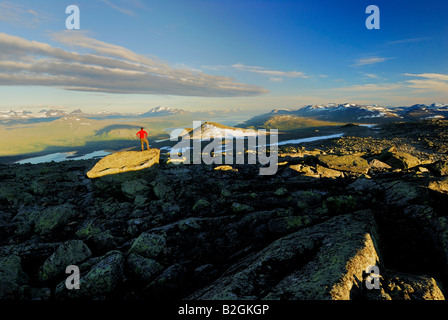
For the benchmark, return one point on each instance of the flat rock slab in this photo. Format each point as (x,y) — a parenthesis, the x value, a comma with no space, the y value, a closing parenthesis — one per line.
(124,161)
(348,163)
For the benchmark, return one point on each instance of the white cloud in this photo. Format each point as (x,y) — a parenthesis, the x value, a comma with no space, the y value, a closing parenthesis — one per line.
(371,75)
(21,15)
(264,71)
(433,76)
(274,79)
(106,68)
(371,60)
(431,82)
(371,87)
(127,7)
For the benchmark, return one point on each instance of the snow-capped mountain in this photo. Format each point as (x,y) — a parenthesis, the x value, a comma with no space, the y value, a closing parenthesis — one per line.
(19,114)
(161,111)
(52,114)
(350,112)
(355,113)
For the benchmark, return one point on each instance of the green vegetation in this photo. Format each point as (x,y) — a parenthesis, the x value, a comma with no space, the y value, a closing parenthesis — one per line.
(78,132)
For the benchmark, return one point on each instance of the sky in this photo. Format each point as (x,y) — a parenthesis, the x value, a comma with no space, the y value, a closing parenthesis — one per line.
(224,55)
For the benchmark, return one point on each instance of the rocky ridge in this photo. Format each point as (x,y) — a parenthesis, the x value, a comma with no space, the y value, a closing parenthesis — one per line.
(225,232)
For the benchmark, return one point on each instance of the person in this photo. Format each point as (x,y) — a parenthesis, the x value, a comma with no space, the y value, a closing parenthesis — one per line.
(142,134)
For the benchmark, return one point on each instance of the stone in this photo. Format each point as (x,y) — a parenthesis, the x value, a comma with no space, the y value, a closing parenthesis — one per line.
(133,188)
(328,173)
(143,268)
(12,276)
(71,252)
(349,163)
(378,165)
(54,217)
(148,245)
(239,207)
(288,224)
(440,168)
(201,205)
(124,161)
(100,280)
(404,286)
(398,159)
(225,168)
(322,262)
(439,185)
(400,193)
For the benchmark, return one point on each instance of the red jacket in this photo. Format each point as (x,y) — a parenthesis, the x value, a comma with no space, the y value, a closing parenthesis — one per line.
(142,134)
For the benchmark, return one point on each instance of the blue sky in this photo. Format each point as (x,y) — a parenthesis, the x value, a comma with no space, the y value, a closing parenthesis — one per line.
(130,56)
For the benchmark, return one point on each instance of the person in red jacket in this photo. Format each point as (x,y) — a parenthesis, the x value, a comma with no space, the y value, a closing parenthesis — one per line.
(142,134)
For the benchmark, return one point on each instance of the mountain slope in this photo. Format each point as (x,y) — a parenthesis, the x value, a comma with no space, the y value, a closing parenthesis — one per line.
(285,119)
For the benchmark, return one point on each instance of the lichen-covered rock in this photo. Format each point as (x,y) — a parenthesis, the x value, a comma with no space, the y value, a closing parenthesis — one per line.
(378,165)
(12,276)
(134,188)
(440,168)
(148,245)
(401,193)
(350,163)
(70,252)
(403,286)
(321,262)
(99,282)
(328,173)
(288,224)
(125,161)
(54,217)
(143,268)
(398,159)
(439,185)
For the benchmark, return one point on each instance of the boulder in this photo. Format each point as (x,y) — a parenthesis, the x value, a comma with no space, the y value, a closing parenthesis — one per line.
(378,165)
(439,185)
(398,159)
(328,173)
(11,276)
(148,245)
(124,161)
(349,163)
(440,168)
(404,286)
(134,188)
(142,268)
(54,217)
(401,193)
(70,252)
(99,282)
(321,262)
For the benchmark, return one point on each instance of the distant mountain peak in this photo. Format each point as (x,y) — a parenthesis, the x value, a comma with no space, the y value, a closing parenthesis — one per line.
(161,111)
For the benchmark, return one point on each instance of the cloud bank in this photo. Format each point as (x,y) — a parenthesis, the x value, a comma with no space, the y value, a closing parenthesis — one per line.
(105,68)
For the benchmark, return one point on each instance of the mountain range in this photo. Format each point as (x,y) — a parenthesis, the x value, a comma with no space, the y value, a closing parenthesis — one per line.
(52,114)
(331,114)
(350,113)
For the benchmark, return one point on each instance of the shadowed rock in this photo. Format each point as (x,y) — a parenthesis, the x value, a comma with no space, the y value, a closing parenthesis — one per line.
(399,160)
(124,161)
(321,262)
